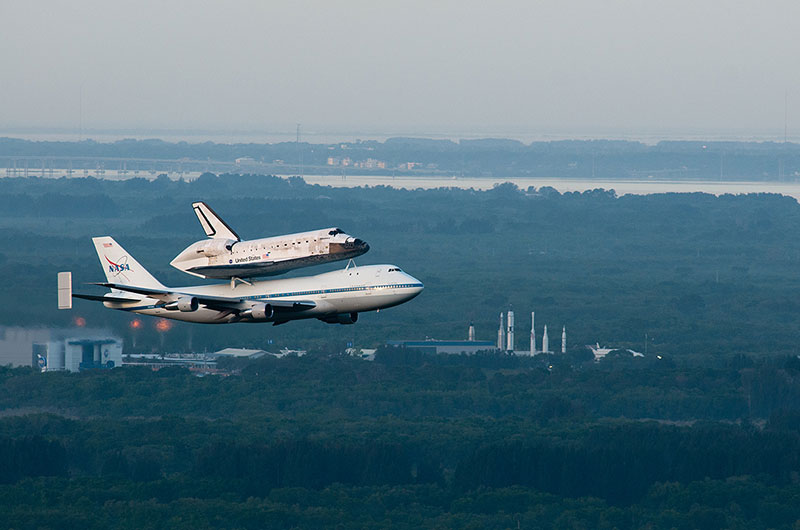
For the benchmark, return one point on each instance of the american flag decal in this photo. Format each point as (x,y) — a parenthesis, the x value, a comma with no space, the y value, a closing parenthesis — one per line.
(106,245)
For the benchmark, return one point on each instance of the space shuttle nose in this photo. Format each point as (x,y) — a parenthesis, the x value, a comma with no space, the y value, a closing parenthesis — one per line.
(361,244)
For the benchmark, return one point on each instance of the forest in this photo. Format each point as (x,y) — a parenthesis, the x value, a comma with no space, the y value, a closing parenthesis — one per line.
(702,432)
(689,275)
(441,441)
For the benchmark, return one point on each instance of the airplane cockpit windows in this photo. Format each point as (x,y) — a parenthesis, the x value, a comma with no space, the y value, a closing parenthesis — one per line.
(336,231)
(394,269)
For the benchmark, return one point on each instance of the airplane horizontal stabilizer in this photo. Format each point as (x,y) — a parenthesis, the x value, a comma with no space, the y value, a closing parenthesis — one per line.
(65,290)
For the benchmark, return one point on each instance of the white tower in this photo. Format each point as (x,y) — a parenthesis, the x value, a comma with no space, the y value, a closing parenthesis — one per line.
(471,333)
(510,341)
(533,334)
(501,335)
(545,341)
(564,339)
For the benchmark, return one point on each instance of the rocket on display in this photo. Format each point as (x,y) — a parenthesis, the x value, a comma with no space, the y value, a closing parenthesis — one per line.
(225,256)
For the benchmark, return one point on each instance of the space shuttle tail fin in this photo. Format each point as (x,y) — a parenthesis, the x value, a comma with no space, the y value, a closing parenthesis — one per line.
(212,224)
(120,267)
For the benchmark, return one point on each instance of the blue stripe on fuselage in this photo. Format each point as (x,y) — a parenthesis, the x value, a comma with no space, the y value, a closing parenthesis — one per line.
(296,293)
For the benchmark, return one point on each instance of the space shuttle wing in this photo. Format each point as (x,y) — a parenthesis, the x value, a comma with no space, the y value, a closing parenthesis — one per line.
(212,224)
(214,302)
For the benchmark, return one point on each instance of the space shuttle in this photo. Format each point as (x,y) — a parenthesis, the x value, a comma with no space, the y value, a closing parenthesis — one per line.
(225,256)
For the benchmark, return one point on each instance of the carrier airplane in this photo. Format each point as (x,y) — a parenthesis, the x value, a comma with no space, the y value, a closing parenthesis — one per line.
(334,297)
(225,255)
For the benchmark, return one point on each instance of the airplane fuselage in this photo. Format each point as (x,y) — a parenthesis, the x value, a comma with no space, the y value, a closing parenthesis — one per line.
(336,294)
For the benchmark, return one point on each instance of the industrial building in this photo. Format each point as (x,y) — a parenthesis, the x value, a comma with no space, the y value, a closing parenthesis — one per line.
(239,353)
(202,363)
(469,347)
(59,348)
(197,362)
(75,353)
(15,344)
(506,340)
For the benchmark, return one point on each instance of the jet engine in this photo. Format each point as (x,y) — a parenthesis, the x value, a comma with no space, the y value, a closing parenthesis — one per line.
(341,318)
(187,304)
(259,312)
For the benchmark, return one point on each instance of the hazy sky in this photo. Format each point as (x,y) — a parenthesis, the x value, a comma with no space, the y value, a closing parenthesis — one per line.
(421,66)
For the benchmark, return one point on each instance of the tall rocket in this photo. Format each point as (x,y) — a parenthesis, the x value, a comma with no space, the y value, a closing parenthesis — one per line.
(545,341)
(564,339)
(533,333)
(471,332)
(510,341)
(501,335)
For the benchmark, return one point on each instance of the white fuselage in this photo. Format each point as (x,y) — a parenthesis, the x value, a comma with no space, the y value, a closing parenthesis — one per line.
(227,258)
(352,290)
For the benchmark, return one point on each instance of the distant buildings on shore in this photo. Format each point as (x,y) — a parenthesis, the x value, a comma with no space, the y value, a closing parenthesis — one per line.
(371,163)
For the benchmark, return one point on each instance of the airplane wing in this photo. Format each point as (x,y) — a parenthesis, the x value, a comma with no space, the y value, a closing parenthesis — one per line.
(104,298)
(213,302)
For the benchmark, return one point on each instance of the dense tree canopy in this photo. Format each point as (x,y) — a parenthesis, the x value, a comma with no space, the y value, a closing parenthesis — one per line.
(703,432)
(698,275)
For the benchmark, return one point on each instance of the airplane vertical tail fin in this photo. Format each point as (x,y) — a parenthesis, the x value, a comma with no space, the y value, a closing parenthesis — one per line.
(120,266)
(211,222)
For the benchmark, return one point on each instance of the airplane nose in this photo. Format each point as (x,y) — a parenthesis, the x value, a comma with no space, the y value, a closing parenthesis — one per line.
(418,287)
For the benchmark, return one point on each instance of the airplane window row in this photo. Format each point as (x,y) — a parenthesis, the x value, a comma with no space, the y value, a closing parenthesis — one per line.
(341,290)
(262,246)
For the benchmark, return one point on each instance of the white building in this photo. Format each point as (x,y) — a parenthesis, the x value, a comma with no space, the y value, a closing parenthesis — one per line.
(15,344)
(243,353)
(59,348)
(78,353)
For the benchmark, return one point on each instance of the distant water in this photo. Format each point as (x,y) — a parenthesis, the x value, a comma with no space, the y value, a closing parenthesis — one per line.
(622,187)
